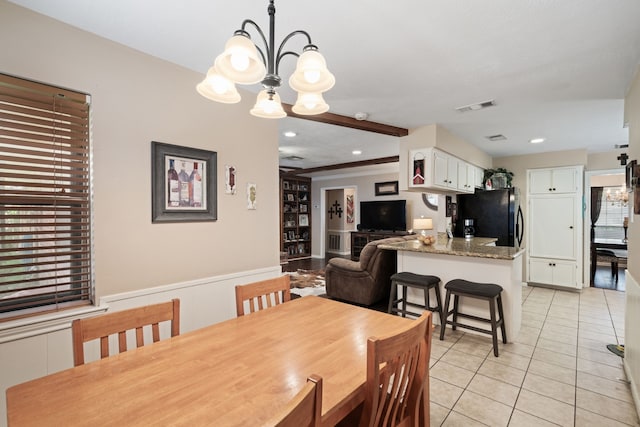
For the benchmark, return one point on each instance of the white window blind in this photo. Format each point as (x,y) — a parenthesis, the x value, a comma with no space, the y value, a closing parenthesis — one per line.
(45,198)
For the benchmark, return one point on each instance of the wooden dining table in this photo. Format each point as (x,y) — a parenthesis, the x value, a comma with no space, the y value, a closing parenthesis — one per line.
(239,372)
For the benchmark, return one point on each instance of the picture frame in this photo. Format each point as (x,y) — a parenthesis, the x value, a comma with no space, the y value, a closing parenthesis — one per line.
(285,185)
(629,175)
(252,194)
(290,197)
(292,235)
(303,208)
(173,199)
(303,220)
(386,188)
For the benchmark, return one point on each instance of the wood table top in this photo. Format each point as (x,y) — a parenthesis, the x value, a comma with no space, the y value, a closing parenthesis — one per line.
(235,373)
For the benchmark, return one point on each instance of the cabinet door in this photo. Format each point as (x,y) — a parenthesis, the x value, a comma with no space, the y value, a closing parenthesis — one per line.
(479,177)
(452,172)
(552,230)
(564,273)
(440,169)
(540,181)
(466,177)
(564,180)
(540,271)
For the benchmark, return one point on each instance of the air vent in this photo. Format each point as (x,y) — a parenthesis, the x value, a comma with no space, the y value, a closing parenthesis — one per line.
(293,158)
(622,146)
(478,106)
(498,137)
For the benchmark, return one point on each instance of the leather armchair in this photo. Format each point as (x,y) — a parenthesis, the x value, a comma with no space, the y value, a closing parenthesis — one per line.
(366,281)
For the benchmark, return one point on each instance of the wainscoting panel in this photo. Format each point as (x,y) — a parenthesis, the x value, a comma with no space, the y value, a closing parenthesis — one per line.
(34,347)
(632,337)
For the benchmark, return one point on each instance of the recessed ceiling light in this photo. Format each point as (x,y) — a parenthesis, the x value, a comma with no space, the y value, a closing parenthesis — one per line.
(536,140)
(356,152)
(290,134)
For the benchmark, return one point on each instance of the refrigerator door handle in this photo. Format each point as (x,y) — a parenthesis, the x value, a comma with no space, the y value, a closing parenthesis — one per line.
(520,226)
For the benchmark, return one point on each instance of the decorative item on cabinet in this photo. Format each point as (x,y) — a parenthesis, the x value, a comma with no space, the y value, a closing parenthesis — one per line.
(497,178)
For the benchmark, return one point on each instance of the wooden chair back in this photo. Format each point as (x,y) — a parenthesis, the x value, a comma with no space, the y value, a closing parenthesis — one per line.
(119,322)
(263,294)
(397,387)
(305,409)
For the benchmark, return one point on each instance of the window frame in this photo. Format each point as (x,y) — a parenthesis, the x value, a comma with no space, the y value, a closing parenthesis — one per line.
(46,185)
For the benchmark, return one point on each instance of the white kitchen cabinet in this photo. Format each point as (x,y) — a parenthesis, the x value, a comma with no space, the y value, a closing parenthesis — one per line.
(431,168)
(554,218)
(556,180)
(466,177)
(552,272)
(479,177)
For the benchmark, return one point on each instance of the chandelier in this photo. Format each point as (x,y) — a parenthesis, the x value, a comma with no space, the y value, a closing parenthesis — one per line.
(243,62)
(620,196)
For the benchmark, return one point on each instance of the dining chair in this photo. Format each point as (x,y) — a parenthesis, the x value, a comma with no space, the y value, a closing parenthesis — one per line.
(305,409)
(263,294)
(119,322)
(397,385)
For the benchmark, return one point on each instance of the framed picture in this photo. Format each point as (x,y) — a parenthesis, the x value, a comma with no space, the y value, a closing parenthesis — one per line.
(230,179)
(386,188)
(303,208)
(304,220)
(291,234)
(629,175)
(183,184)
(285,185)
(290,197)
(252,192)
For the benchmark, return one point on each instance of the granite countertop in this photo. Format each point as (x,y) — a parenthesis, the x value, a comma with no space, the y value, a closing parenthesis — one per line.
(476,247)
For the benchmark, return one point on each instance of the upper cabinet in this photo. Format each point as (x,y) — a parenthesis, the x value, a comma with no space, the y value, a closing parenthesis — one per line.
(436,170)
(553,181)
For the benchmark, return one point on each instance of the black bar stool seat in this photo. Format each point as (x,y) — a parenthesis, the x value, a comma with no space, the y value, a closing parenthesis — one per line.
(486,291)
(418,281)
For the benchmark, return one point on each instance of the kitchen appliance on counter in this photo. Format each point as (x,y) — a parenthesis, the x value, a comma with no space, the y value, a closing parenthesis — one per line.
(469,230)
(494,213)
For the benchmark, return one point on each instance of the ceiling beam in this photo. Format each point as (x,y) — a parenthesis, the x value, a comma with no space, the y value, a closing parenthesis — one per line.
(378,161)
(338,120)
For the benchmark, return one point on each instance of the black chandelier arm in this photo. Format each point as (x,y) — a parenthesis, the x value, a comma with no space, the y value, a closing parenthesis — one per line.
(282,55)
(244,32)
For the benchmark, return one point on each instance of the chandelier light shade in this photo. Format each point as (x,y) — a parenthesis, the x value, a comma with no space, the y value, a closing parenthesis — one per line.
(243,62)
(218,88)
(268,106)
(309,104)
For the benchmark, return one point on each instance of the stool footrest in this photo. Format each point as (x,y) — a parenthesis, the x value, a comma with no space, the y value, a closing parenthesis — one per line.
(469,316)
(473,328)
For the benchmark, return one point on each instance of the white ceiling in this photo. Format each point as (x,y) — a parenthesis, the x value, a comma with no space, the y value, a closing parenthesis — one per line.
(557,69)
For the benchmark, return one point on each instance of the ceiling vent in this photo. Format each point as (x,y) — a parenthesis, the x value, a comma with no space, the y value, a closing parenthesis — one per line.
(293,158)
(622,146)
(478,106)
(498,137)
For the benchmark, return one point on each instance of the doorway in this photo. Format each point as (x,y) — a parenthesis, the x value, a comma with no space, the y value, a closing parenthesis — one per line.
(333,219)
(607,187)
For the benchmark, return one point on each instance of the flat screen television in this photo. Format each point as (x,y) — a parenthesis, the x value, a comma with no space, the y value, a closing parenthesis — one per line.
(388,215)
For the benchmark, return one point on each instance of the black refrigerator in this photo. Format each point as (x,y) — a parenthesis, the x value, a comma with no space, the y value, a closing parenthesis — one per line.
(496,213)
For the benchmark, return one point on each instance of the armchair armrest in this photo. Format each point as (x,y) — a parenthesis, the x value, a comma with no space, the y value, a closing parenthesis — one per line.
(346,264)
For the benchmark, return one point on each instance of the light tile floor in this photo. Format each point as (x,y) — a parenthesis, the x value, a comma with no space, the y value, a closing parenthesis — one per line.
(558,371)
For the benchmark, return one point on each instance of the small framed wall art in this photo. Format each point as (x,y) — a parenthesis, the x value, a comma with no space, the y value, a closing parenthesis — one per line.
(183,184)
(386,188)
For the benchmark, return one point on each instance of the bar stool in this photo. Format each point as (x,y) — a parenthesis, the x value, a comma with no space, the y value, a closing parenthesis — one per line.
(418,281)
(485,291)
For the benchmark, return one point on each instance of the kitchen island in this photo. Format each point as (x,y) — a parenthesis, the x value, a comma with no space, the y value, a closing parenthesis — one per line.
(474,260)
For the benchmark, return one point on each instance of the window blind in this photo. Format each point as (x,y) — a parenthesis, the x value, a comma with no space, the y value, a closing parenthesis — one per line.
(45,198)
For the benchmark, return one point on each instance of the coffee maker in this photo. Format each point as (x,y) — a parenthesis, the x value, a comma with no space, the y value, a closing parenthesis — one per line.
(469,228)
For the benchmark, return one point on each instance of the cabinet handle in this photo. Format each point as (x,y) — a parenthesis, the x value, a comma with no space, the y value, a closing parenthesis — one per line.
(550,189)
(571,227)
(554,188)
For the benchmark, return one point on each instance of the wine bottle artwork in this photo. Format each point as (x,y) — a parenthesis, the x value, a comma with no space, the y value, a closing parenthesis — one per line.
(195,187)
(173,186)
(183,177)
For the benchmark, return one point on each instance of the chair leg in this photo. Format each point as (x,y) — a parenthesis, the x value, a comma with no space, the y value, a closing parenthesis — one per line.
(456,298)
(445,310)
(501,314)
(439,301)
(392,296)
(404,301)
(494,328)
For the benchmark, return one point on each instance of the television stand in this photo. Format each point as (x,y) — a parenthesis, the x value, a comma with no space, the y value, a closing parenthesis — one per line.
(359,239)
